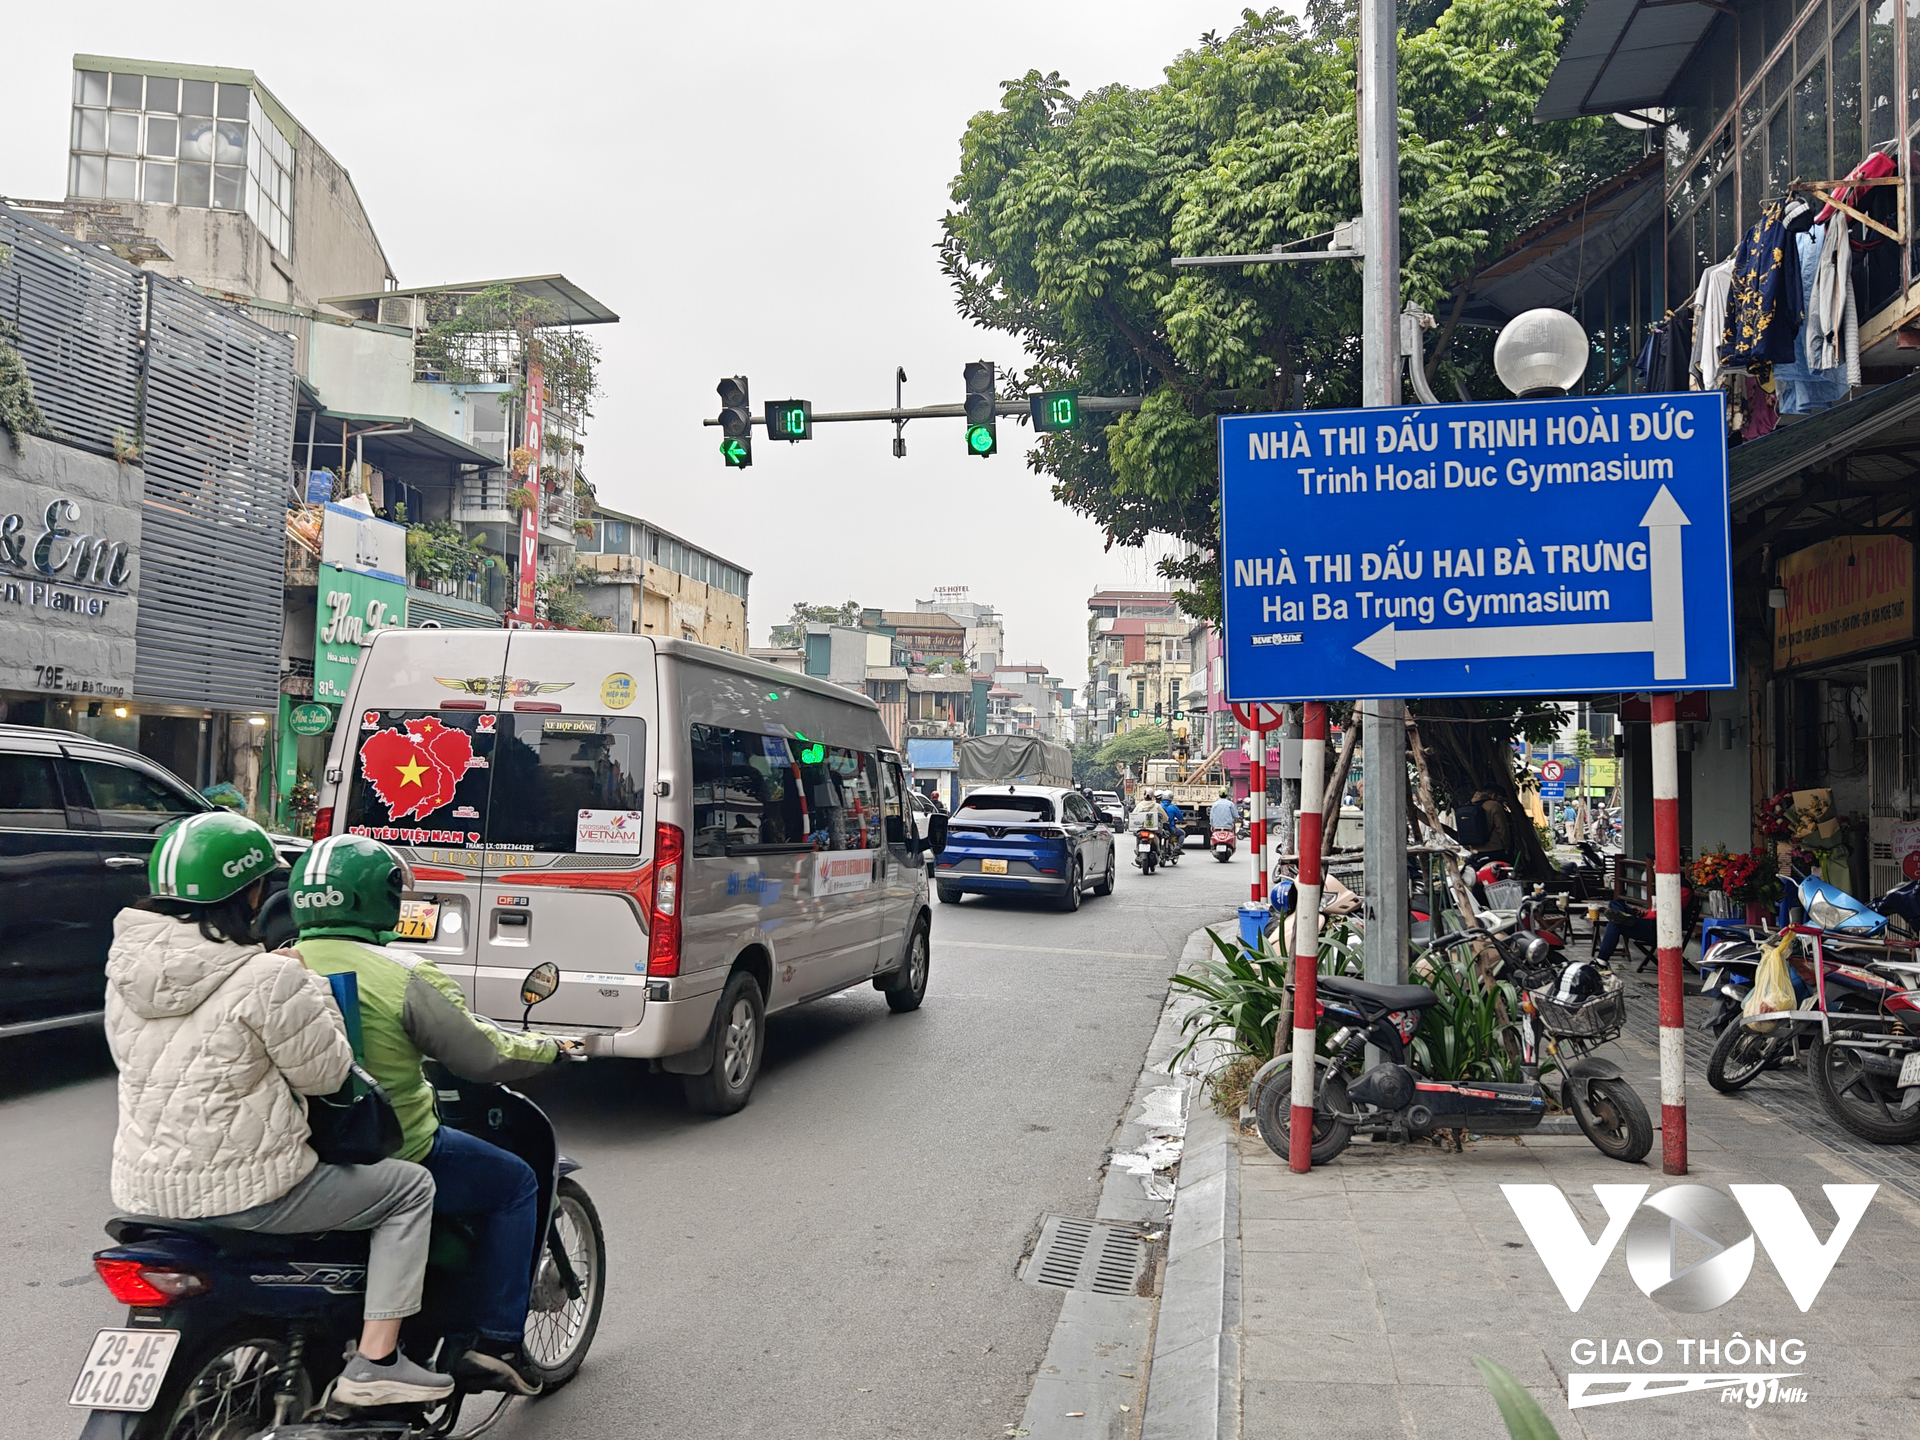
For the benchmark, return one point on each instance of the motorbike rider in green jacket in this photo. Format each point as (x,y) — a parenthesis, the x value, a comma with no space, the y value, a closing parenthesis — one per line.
(345,895)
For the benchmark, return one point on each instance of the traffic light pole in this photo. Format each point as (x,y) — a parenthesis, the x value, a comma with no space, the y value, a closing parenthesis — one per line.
(1017,405)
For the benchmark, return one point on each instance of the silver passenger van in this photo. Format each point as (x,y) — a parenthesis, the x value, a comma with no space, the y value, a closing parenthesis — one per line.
(694,838)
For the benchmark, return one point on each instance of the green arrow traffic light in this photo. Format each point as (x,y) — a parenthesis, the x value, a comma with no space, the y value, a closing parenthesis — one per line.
(737,452)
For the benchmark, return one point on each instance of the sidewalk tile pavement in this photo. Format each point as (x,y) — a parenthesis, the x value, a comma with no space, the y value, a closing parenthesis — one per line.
(1369,1285)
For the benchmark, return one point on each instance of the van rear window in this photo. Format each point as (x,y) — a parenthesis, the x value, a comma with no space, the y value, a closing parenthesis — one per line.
(560,784)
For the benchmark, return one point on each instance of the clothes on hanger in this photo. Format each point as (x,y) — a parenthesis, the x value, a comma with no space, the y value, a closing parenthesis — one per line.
(1800,388)
(1877,164)
(1833,324)
(1663,361)
(1765,306)
(1710,323)
(1763,411)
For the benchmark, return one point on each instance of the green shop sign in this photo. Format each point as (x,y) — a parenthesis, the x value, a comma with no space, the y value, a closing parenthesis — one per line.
(353,608)
(310,719)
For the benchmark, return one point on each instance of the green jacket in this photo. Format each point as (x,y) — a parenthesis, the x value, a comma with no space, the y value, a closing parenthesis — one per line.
(409,1009)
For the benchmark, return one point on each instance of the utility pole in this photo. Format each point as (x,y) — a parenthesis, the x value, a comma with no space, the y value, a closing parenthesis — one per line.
(1383,731)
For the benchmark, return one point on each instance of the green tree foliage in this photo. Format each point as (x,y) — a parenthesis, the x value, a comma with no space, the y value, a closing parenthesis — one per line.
(793,634)
(1067,209)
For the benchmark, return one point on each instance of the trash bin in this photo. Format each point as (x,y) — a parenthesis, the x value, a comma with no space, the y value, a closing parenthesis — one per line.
(1253,923)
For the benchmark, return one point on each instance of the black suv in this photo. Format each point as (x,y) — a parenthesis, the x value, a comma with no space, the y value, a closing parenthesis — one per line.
(77,821)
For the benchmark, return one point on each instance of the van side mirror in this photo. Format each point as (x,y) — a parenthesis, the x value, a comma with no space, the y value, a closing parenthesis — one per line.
(540,983)
(936,833)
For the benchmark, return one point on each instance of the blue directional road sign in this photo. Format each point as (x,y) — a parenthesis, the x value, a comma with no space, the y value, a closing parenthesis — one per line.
(1523,547)
(1553,790)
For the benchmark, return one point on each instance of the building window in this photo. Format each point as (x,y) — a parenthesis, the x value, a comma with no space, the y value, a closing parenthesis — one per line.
(162,141)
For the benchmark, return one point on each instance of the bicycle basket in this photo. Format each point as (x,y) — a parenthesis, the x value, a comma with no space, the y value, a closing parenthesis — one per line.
(1604,1015)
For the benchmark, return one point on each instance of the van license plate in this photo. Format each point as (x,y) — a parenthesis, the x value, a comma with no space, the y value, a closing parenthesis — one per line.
(419,920)
(993,867)
(124,1369)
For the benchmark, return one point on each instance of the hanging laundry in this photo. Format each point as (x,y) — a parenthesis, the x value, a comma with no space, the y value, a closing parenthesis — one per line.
(1764,312)
(1801,389)
(1710,323)
(1763,412)
(1876,165)
(1833,324)
(1663,361)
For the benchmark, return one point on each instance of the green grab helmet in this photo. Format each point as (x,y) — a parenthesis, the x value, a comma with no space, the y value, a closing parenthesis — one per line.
(206,858)
(348,882)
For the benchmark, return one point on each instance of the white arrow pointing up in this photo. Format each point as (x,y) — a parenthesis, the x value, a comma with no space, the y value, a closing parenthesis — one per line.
(1665,634)
(1663,520)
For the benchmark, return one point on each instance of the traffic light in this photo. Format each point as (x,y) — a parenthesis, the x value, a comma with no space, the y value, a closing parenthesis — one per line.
(736,422)
(1133,713)
(1157,712)
(1055,410)
(790,420)
(981,437)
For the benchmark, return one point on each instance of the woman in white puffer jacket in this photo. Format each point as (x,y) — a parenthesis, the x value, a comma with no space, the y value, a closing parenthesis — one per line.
(217,1041)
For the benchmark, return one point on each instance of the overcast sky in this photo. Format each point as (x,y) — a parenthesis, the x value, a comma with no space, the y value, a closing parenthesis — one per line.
(761,199)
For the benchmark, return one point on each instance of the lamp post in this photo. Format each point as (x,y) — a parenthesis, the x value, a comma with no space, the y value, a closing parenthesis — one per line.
(1541,354)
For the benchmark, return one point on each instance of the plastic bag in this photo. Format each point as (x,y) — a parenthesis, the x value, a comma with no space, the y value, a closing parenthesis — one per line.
(1772,984)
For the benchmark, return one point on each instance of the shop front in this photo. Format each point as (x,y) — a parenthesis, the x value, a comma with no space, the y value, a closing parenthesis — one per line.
(69,588)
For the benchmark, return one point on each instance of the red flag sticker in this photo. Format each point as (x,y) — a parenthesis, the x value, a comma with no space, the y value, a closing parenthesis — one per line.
(414,771)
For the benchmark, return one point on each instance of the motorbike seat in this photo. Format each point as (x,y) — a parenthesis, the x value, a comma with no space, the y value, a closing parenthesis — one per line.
(1387,997)
(134,1229)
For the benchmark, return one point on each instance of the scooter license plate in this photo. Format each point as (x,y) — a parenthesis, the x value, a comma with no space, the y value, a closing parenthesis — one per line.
(419,920)
(124,1369)
(1145,847)
(993,867)
(1910,1070)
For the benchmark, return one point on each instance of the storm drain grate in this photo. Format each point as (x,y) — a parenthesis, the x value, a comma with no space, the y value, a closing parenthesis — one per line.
(1076,1254)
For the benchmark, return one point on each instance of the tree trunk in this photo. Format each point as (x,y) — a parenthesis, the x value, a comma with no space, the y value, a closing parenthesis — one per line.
(1337,784)
(1470,753)
(1486,957)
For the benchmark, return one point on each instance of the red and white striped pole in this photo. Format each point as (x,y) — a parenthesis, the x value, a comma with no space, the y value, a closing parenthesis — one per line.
(1306,932)
(1257,809)
(1667,937)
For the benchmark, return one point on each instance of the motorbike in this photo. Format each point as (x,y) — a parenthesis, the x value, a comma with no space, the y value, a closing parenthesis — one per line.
(236,1334)
(1223,845)
(1396,1100)
(1173,844)
(1146,850)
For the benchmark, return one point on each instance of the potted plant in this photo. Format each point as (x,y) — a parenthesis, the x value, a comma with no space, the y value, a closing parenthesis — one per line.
(519,498)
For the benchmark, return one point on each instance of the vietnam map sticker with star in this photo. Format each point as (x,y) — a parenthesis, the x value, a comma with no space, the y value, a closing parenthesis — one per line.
(414,770)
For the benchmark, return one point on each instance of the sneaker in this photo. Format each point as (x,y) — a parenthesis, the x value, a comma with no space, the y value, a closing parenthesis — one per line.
(363,1383)
(498,1365)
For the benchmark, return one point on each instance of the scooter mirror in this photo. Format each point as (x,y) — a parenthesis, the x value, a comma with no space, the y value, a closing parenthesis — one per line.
(540,983)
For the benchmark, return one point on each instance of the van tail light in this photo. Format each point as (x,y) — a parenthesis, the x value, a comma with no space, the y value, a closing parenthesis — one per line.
(538,707)
(663,928)
(323,822)
(141,1284)
(463,704)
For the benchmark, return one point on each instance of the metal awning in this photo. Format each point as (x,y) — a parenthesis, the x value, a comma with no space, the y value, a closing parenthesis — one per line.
(419,442)
(574,305)
(1848,470)
(1549,264)
(1624,55)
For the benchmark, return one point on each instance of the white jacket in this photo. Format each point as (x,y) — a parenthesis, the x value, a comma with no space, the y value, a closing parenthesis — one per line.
(213,1040)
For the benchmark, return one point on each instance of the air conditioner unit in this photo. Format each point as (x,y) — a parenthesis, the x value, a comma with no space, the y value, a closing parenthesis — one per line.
(405,311)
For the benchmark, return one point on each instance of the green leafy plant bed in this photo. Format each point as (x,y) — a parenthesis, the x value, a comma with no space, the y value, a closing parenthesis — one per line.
(437,550)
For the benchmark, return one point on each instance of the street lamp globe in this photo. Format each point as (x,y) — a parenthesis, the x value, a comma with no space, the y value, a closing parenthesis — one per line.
(1541,352)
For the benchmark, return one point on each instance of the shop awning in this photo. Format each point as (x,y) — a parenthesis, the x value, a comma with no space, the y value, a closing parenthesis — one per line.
(1878,433)
(1624,55)
(573,306)
(407,440)
(1548,264)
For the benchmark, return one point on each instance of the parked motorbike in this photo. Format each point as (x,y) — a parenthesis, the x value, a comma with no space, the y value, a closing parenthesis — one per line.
(231,1334)
(1223,845)
(1146,850)
(1394,1099)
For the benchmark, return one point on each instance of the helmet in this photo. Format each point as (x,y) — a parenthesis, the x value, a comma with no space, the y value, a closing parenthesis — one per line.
(348,883)
(207,858)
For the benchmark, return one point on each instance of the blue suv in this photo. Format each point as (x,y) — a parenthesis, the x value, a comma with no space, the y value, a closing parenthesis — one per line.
(1025,840)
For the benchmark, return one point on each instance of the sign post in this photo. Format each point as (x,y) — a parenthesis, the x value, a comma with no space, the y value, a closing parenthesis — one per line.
(1257,721)
(1306,937)
(1667,938)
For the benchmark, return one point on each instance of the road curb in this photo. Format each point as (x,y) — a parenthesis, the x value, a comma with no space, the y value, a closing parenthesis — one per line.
(1100,1372)
(1193,1385)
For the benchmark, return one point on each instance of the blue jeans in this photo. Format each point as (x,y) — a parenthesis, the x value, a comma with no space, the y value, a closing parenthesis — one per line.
(496,1193)
(1632,927)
